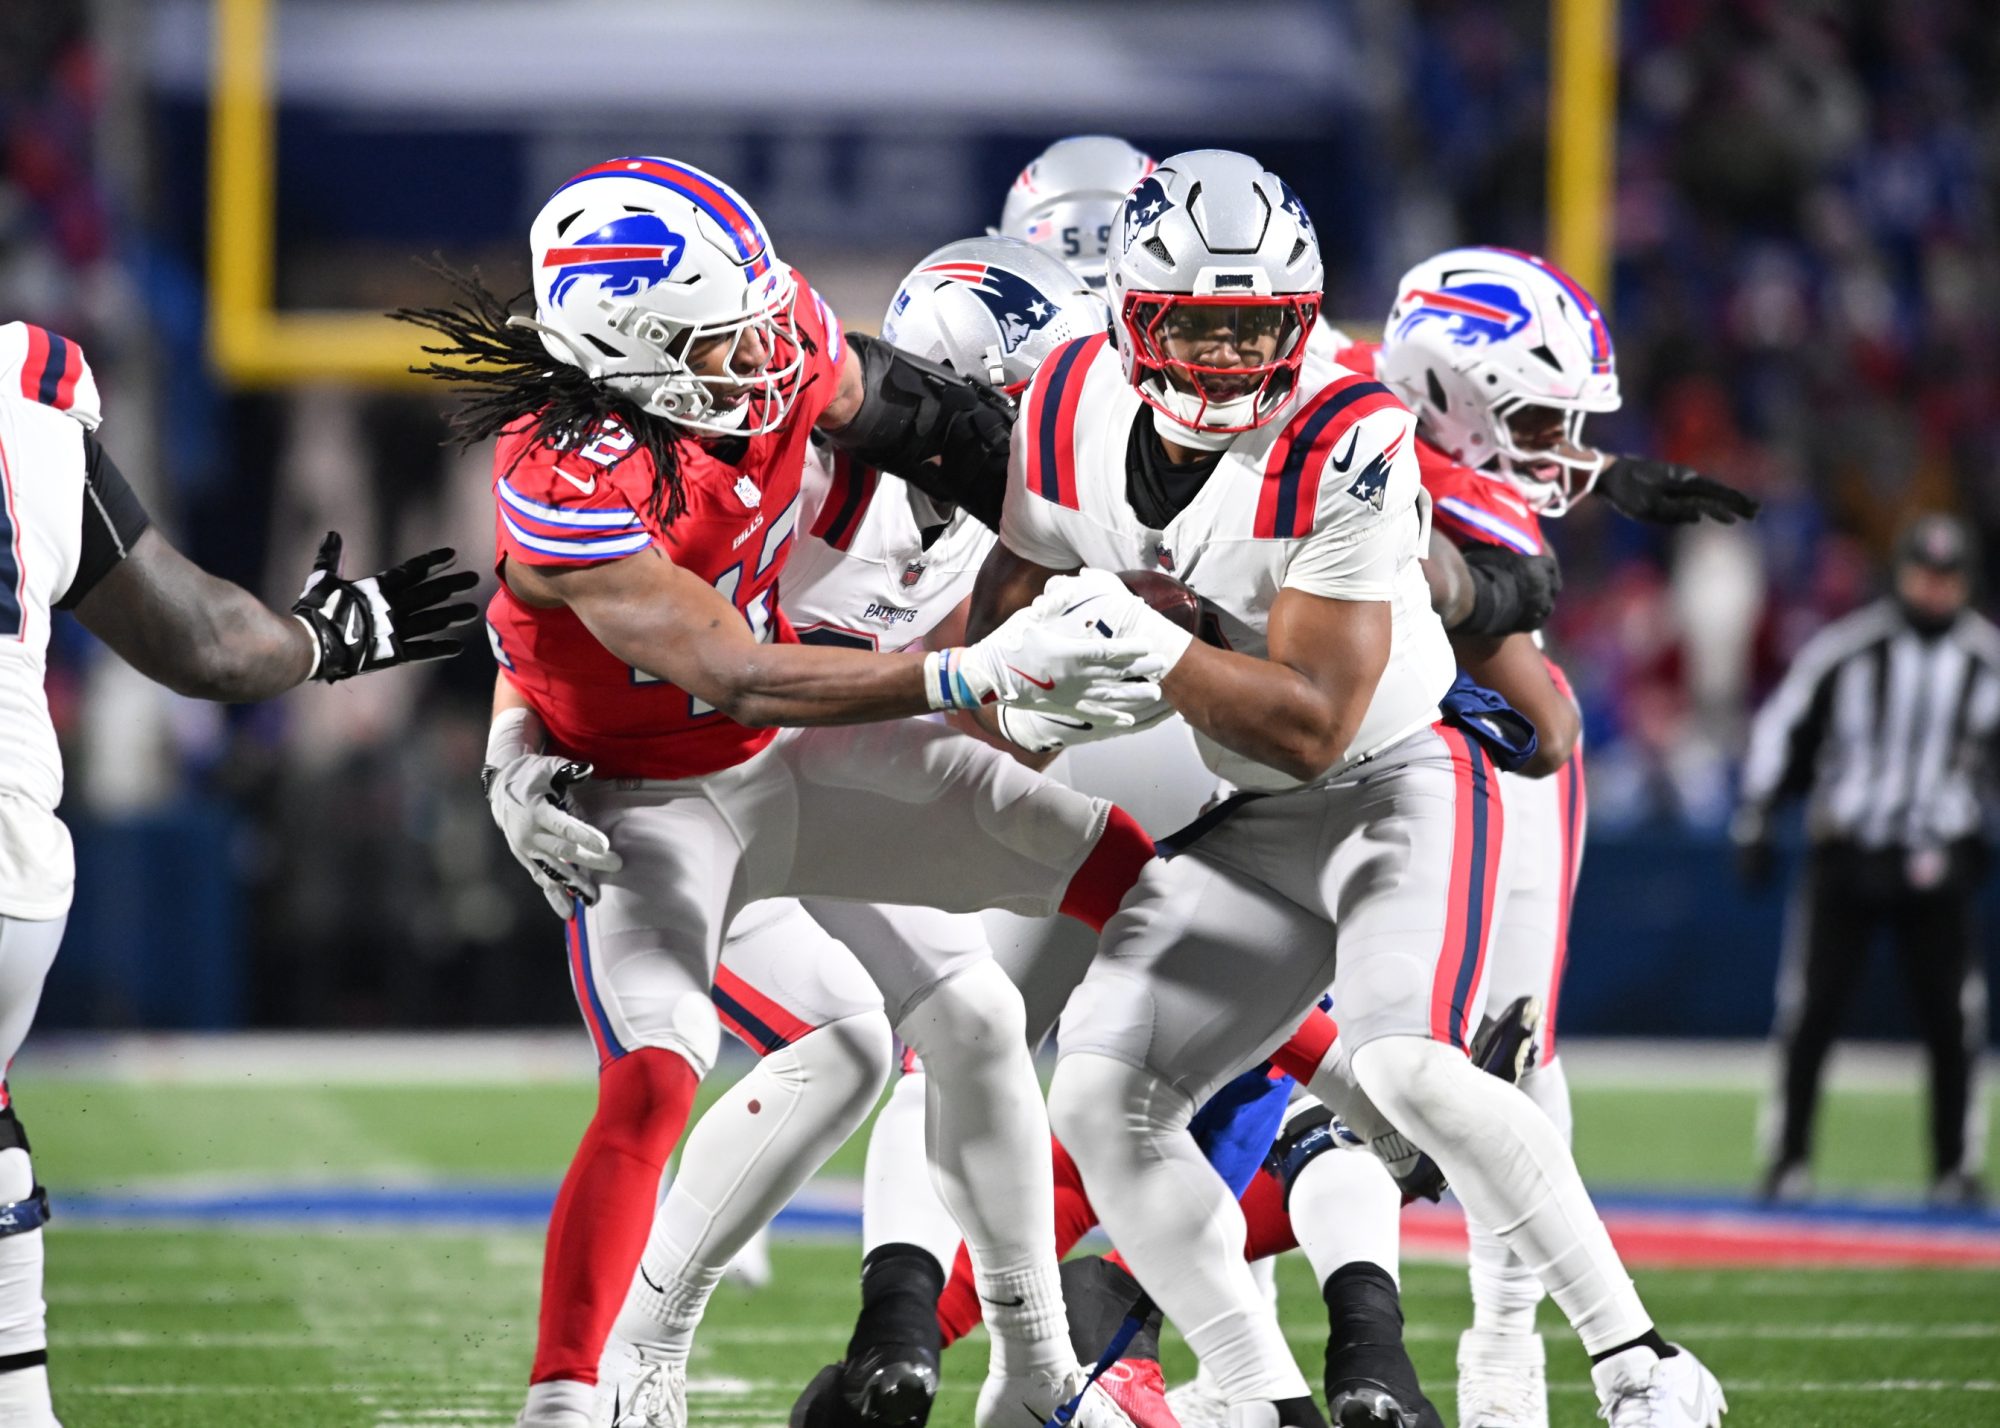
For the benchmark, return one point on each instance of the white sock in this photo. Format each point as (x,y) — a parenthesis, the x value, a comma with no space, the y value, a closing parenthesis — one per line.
(559,1403)
(899,1200)
(1505,1292)
(1511,1169)
(744,1159)
(1346,1209)
(1173,1219)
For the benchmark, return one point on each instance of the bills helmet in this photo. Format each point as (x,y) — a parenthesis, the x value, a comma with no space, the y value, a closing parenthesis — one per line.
(641,261)
(1481,337)
(1066,200)
(1209,242)
(991,308)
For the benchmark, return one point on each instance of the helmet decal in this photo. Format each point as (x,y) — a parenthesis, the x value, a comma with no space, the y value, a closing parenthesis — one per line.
(1472,313)
(1144,206)
(712,197)
(1293,206)
(1018,306)
(631,254)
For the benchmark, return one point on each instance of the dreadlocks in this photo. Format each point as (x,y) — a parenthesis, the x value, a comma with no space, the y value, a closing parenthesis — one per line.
(508,374)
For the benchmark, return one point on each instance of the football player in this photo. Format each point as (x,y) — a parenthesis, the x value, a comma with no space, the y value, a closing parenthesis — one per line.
(1295,510)
(1067,199)
(648,494)
(74,536)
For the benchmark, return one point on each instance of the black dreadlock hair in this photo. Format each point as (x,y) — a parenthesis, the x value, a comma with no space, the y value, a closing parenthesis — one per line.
(508,374)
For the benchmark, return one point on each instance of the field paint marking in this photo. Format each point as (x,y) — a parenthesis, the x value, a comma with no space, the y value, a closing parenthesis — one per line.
(1879,1385)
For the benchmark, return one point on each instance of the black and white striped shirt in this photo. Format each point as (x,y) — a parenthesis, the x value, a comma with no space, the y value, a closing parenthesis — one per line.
(1892,732)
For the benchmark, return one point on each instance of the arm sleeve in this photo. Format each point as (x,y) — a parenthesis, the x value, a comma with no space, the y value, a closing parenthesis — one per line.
(113,518)
(1357,549)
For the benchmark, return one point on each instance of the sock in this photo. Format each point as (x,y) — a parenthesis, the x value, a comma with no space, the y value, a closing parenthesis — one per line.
(1505,1292)
(899,1201)
(899,1293)
(988,1137)
(1348,1211)
(1649,1340)
(1174,1220)
(1120,855)
(605,1207)
(1270,1229)
(553,1401)
(746,1157)
(958,1306)
(1510,1169)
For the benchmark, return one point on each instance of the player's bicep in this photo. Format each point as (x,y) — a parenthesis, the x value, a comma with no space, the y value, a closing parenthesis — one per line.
(653,615)
(1006,583)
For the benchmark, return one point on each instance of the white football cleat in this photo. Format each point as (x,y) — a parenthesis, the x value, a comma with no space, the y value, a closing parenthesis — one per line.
(1007,1401)
(1199,1403)
(1639,1389)
(751,1268)
(635,1392)
(1502,1380)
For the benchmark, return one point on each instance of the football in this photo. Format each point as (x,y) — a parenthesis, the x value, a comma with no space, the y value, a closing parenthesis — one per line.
(1167,595)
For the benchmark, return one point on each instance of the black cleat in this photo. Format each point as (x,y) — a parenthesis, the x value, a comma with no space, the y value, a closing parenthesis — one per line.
(1370,1381)
(1362,1403)
(1505,1043)
(884,1389)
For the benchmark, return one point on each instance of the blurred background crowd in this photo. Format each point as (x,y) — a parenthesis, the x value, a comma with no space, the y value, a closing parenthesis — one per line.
(1805,293)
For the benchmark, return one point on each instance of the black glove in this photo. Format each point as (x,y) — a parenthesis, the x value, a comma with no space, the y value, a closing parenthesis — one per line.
(946,435)
(1665,494)
(1756,851)
(1511,593)
(363,625)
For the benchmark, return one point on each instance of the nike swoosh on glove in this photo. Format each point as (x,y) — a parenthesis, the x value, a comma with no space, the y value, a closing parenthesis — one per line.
(1041,731)
(529,798)
(1668,494)
(383,620)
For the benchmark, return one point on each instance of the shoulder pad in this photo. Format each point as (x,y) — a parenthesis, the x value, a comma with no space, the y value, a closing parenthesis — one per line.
(48,368)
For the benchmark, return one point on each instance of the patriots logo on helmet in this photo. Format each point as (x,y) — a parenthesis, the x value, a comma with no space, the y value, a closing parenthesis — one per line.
(1471,312)
(1018,306)
(1144,206)
(631,254)
(1297,209)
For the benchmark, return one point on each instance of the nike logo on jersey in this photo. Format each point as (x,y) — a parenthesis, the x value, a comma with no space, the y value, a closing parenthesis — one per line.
(587,487)
(1039,684)
(1340,462)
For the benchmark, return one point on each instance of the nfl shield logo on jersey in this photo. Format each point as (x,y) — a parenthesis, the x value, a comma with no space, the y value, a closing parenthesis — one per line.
(747,491)
(913,572)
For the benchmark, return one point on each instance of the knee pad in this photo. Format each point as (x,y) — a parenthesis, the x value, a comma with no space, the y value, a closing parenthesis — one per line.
(978,1013)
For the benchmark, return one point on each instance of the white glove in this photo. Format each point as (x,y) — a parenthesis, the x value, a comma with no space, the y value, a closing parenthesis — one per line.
(1049,659)
(1046,732)
(1101,600)
(529,796)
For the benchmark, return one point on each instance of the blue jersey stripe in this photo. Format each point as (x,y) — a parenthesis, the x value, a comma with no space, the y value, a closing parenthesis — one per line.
(1475,897)
(1047,479)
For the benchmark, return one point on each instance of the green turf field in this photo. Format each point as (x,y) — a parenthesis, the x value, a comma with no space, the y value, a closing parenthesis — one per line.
(360,1327)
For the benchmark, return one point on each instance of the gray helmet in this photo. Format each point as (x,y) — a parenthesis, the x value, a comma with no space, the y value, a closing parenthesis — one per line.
(1211,229)
(991,308)
(1066,200)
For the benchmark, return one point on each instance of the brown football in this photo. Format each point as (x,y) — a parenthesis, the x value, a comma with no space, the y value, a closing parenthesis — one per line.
(1167,595)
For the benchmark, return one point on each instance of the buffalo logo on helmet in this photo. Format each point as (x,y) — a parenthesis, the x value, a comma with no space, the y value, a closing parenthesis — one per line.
(630,254)
(1471,313)
(1144,206)
(1019,307)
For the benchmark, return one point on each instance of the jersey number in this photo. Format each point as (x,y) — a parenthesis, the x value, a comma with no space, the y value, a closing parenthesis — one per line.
(1073,243)
(13,599)
(757,613)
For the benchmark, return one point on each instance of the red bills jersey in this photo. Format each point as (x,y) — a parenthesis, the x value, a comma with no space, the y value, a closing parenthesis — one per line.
(590,503)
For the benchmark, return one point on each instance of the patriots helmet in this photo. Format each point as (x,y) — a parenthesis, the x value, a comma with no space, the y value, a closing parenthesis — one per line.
(1213,241)
(1066,200)
(640,261)
(1481,338)
(992,308)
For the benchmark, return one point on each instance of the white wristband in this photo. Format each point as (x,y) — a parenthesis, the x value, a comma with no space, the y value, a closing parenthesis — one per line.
(944,686)
(507,739)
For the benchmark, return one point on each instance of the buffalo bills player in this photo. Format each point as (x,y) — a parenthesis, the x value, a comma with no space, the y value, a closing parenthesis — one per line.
(74,536)
(1067,199)
(648,489)
(1360,810)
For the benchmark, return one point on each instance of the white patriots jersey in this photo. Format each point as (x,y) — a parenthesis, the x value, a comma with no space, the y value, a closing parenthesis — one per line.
(861,575)
(47,397)
(1324,497)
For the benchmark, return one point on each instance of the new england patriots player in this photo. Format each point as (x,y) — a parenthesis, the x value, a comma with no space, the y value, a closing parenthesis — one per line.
(1325,712)
(1067,199)
(648,492)
(74,536)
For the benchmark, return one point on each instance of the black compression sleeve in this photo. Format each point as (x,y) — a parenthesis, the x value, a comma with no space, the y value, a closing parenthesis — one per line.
(944,434)
(113,518)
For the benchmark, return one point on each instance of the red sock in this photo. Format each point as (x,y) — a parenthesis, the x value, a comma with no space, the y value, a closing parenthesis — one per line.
(1269,1222)
(605,1207)
(1121,854)
(958,1306)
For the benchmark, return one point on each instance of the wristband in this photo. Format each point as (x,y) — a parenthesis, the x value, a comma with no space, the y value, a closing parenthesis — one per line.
(507,739)
(945,686)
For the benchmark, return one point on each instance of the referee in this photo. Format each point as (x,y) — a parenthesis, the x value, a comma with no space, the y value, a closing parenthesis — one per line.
(1886,720)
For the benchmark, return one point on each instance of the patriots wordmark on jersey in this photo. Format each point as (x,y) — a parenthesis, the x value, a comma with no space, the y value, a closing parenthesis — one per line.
(590,503)
(1324,498)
